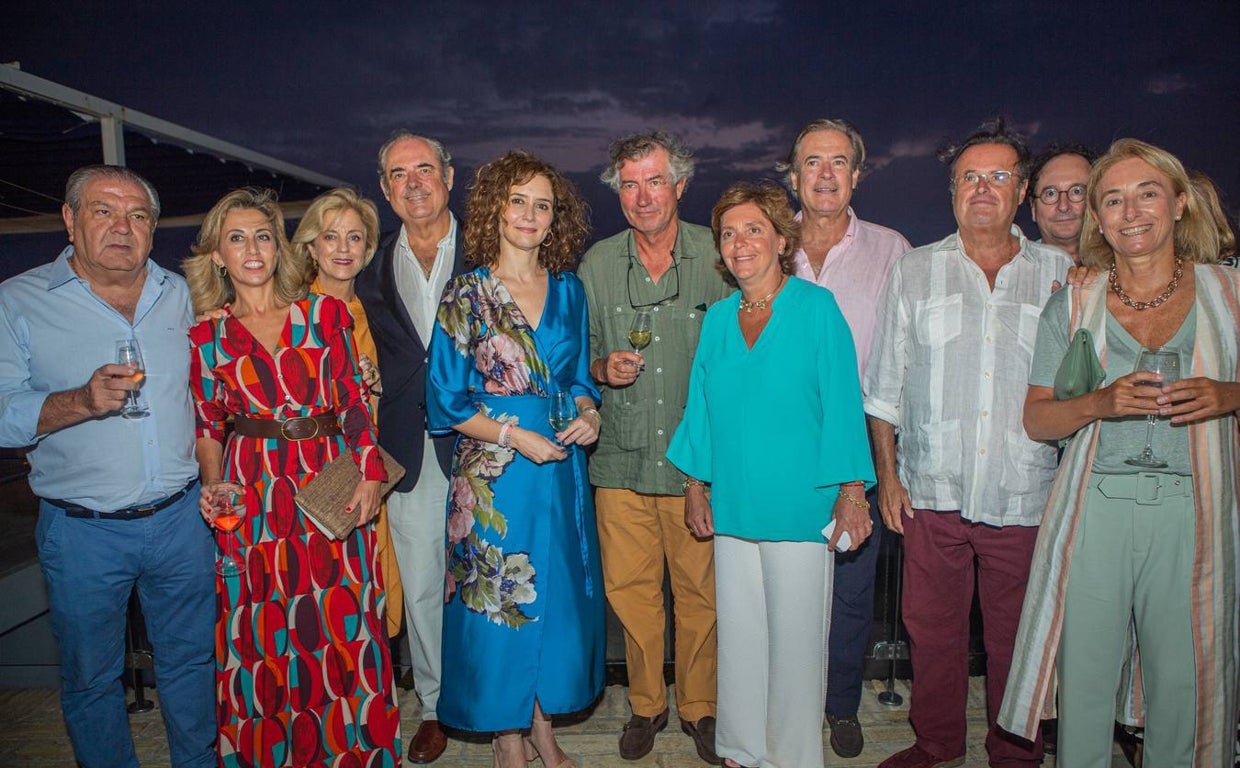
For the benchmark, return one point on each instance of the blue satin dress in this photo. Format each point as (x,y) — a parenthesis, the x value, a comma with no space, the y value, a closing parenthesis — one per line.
(524,613)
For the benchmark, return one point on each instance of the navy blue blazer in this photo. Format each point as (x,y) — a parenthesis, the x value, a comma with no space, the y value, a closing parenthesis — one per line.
(402,362)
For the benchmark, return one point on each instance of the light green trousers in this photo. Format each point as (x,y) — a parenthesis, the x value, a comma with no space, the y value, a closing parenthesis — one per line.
(1132,563)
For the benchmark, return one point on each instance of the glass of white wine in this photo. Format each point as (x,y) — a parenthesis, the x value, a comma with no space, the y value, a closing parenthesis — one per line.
(1167,362)
(639,331)
(563,411)
(129,353)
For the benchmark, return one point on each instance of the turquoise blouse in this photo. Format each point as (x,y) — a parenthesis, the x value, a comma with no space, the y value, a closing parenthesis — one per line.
(777,428)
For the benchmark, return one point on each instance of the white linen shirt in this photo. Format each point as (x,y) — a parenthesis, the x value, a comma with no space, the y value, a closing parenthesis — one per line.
(420,293)
(949,368)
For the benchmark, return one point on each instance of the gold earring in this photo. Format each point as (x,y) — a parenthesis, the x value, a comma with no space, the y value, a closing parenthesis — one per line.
(223,270)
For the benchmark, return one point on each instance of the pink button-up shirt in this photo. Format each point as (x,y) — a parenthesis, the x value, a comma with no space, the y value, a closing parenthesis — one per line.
(855,270)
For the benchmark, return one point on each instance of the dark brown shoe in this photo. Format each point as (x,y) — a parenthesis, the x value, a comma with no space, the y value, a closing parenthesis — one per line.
(847,738)
(428,743)
(703,734)
(637,739)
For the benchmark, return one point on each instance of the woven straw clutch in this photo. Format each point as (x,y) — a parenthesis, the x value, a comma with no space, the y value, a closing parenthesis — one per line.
(324,498)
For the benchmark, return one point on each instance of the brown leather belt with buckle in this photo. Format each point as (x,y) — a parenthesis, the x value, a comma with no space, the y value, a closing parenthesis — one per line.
(298,428)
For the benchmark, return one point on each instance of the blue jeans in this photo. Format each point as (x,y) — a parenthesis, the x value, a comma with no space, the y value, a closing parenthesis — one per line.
(90,567)
(852,616)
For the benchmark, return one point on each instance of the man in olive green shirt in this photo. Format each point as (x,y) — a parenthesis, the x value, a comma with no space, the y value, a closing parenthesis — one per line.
(664,267)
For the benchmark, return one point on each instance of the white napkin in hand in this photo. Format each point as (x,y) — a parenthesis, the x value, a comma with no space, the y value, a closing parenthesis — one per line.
(845,542)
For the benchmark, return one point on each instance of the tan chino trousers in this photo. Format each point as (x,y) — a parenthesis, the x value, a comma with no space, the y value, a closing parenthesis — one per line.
(638,533)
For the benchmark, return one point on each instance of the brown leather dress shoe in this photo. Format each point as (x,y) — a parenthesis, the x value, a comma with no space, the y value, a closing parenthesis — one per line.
(638,737)
(428,743)
(703,734)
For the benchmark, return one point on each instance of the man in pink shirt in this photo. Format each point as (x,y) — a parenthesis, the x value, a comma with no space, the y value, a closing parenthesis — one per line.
(852,259)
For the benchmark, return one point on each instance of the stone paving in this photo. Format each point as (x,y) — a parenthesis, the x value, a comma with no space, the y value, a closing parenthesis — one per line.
(34,736)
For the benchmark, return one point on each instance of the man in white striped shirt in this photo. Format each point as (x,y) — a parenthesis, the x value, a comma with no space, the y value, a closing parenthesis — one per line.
(966,487)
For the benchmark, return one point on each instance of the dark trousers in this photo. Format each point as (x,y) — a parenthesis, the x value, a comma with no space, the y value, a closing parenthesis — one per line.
(852,616)
(940,551)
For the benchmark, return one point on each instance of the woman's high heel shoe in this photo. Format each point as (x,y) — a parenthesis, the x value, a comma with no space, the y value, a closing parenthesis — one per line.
(505,744)
(532,752)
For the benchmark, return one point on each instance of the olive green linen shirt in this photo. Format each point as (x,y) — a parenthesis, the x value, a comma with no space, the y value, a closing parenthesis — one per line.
(639,420)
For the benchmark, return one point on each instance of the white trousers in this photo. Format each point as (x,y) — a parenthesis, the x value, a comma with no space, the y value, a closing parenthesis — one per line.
(418,521)
(773,600)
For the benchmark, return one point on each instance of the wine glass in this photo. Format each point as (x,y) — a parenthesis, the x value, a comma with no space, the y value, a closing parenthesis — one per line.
(1167,362)
(563,411)
(129,353)
(639,331)
(227,518)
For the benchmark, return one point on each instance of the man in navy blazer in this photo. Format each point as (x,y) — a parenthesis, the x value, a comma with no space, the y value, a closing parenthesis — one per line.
(400,290)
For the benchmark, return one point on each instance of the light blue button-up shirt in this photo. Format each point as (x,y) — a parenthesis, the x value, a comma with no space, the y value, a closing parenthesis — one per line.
(54,333)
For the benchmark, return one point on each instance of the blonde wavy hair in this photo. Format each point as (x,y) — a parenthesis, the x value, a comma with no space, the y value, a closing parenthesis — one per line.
(324,209)
(209,289)
(1196,237)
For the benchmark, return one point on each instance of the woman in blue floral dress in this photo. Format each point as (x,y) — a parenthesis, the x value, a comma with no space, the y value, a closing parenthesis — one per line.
(523,623)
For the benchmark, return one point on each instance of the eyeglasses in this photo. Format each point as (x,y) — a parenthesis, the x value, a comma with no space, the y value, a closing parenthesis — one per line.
(993,178)
(668,299)
(1050,195)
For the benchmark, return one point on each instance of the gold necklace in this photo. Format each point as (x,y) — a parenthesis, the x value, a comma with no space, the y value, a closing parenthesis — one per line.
(749,306)
(1156,301)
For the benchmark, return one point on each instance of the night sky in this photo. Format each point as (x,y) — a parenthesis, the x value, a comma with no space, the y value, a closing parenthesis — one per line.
(323,84)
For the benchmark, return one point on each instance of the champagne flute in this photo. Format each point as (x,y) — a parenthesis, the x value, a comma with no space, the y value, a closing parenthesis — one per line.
(563,411)
(129,353)
(1167,362)
(227,519)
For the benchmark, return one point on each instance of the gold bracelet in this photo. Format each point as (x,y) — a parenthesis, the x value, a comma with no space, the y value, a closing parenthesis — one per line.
(692,482)
(860,504)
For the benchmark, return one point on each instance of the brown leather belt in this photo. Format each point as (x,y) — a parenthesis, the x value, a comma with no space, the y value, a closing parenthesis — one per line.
(298,428)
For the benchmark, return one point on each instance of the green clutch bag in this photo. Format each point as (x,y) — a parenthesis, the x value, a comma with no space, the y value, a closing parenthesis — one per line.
(1081,371)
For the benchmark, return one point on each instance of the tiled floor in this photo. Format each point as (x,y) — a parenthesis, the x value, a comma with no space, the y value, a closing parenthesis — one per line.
(34,735)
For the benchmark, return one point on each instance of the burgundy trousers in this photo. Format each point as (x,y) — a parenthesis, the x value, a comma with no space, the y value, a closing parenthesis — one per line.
(940,553)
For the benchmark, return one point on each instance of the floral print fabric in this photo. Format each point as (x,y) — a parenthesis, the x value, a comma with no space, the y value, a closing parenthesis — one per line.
(523,582)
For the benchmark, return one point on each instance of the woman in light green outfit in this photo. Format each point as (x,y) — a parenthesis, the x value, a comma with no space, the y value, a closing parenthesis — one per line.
(1130,553)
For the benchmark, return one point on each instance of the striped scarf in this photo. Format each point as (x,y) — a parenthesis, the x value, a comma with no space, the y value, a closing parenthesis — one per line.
(1214,448)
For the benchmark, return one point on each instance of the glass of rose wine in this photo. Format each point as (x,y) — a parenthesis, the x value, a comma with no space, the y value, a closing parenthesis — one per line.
(228,517)
(129,353)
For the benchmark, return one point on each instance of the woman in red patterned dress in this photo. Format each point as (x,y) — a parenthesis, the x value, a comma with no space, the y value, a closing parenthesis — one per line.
(303,672)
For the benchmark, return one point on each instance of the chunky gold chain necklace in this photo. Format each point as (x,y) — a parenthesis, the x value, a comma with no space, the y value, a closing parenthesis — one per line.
(749,306)
(1156,301)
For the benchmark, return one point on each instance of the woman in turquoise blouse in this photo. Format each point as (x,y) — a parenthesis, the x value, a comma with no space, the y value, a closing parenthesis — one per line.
(774,423)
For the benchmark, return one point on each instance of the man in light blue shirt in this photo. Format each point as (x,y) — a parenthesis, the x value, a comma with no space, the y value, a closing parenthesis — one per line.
(119,496)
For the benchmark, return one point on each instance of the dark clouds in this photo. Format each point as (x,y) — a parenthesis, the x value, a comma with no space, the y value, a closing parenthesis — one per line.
(323,84)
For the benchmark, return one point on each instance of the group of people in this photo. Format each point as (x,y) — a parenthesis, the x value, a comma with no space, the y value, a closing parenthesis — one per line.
(748,435)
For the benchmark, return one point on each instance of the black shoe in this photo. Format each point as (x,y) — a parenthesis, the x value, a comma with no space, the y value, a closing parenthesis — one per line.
(847,739)
(637,739)
(703,734)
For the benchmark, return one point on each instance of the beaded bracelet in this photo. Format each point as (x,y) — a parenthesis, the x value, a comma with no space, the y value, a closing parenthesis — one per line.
(505,435)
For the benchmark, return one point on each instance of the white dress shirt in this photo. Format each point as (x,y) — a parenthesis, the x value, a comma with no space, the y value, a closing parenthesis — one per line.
(949,368)
(420,293)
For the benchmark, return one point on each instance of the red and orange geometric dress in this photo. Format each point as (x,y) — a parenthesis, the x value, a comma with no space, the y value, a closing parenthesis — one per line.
(303,672)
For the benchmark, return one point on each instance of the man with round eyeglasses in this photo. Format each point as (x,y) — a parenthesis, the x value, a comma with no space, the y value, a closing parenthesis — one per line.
(1057,184)
(966,486)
